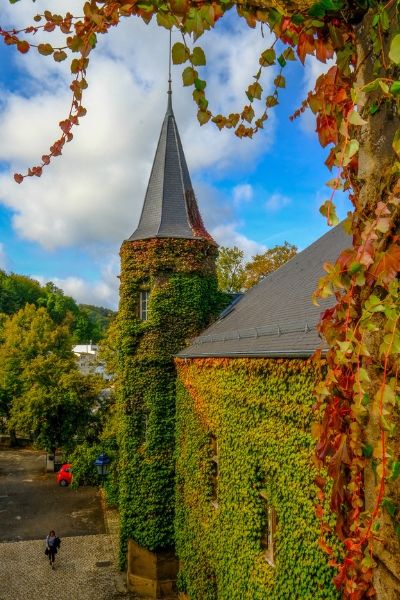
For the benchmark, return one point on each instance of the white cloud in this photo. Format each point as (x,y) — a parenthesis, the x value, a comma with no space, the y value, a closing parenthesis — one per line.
(276,202)
(93,194)
(227,235)
(242,193)
(3,257)
(91,197)
(100,292)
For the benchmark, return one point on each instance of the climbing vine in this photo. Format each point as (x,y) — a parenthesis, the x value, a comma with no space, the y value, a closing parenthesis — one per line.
(356,106)
(183,298)
(259,411)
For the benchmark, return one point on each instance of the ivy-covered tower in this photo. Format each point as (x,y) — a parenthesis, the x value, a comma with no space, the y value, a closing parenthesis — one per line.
(168,294)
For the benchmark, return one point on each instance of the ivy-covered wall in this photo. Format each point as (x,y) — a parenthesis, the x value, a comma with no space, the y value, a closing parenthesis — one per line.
(260,412)
(180,275)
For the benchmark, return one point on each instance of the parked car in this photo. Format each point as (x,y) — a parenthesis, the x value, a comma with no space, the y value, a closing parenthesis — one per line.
(64,475)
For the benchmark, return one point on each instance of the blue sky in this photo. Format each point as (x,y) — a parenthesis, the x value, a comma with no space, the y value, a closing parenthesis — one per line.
(68,225)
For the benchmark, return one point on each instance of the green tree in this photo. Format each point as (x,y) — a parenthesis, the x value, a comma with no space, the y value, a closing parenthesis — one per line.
(230,269)
(41,389)
(16,291)
(263,264)
(27,334)
(56,404)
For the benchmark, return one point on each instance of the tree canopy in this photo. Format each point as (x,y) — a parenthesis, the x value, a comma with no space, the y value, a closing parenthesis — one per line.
(42,393)
(86,322)
(235,275)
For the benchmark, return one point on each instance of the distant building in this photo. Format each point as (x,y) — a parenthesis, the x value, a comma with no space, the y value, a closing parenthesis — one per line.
(87,359)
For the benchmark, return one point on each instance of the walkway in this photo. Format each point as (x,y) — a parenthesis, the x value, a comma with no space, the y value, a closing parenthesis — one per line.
(85,569)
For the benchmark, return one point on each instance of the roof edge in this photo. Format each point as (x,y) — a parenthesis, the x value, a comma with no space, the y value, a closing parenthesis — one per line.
(271,354)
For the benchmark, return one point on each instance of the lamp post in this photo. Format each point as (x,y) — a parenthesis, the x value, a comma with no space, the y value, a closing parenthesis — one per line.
(101,463)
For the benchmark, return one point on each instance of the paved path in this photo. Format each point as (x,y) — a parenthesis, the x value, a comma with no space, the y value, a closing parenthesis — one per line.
(84,570)
(31,503)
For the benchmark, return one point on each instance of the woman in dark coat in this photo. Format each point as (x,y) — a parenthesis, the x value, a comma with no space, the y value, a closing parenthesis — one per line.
(52,543)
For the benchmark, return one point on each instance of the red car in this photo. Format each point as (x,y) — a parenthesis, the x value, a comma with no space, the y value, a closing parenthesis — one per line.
(64,475)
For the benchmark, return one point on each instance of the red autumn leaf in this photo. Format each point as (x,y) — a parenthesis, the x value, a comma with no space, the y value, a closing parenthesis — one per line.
(326,129)
(387,266)
(305,46)
(46,159)
(10,39)
(323,50)
(23,46)
(66,125)
(322,544)
(345,259)
(18,177)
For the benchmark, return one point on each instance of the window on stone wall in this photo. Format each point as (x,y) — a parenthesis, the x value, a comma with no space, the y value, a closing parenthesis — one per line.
(214,470)
(144,305)
(269,528)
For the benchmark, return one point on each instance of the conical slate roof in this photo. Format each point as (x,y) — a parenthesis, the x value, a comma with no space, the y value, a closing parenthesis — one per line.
(170,209)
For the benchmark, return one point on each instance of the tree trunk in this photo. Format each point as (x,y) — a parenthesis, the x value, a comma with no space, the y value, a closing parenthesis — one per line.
(375,157)
(13,438)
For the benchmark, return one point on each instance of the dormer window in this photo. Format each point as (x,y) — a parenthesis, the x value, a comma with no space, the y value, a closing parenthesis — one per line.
(144,305)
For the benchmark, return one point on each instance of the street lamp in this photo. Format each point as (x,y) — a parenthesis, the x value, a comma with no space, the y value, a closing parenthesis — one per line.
(101,463)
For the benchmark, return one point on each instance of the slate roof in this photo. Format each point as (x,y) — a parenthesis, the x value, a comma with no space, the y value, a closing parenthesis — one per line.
(170,209)
(276,317)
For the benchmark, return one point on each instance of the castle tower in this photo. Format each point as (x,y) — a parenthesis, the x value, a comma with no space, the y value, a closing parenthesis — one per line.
(168,294)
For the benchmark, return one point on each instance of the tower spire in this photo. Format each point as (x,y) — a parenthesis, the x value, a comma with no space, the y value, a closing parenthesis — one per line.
(170,208)
(169,106)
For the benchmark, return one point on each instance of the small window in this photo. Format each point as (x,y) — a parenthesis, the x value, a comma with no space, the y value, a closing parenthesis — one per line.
(269,528)
(144,305)
(214,470)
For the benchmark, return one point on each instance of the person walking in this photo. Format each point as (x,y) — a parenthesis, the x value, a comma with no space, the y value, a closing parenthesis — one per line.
(52,545)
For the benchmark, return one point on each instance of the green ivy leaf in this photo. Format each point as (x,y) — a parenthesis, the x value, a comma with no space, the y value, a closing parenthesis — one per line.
(203,116)
(268,57)
(394,52)
(356,119)
(395,470)
(199,84)
(328,210)
(350,150)
(396,143)
(367,450)
(180,53)
(189,76)
(198,57)
(280,81)
(281,60)
(271,101)
(390,507)
(395,88)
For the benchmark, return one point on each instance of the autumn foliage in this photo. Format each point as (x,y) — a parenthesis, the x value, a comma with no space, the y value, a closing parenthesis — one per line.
(356,108)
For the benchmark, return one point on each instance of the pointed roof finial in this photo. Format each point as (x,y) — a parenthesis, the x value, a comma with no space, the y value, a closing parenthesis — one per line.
(169,107)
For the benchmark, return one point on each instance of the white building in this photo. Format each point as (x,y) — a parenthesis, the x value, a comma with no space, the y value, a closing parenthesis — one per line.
(86,355)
